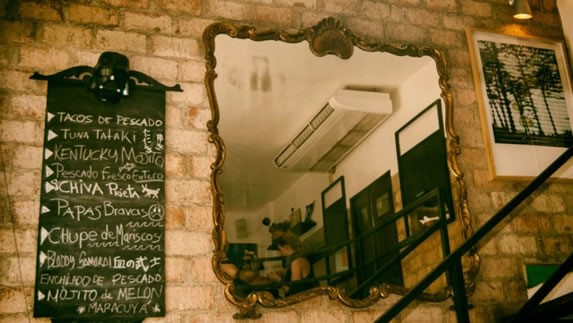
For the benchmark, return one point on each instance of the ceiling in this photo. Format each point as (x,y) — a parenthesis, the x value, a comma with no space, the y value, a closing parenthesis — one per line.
(266,91)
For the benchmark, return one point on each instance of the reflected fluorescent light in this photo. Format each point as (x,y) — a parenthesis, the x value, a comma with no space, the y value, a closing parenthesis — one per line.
(522,9)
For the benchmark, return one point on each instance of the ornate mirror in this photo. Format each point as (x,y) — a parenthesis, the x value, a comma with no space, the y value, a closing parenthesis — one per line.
(339,150)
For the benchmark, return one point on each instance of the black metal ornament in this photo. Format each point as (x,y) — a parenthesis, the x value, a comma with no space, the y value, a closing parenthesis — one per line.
(110,79)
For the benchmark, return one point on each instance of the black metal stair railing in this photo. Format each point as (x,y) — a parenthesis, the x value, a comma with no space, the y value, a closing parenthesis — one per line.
(452,263)
(405,247)
(532,312)
(409,245)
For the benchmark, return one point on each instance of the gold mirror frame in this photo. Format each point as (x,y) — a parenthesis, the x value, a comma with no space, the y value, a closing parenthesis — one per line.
(328,37)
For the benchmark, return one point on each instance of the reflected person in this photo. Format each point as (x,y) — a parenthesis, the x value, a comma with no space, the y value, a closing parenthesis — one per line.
(297,265)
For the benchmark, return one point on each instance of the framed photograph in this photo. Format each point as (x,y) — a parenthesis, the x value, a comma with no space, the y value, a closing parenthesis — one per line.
(526,103)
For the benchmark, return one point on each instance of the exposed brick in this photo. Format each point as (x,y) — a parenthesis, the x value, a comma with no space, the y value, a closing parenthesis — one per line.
(192,27)
(341,6)
(453,21)
(7,241)
(139,4)
(156,23)
(119,40)
(193,94)
(310,4)
(5,211)
(197,118)
(27,157)
(466,157)
(515,291)
(26,240)
(88,58)
(447,38)
(182,243)
(319,315)
(9,271)
(174,165)
(178,270)
(66,35)
(376,10)
(24,184)
(24,106)
(203,298)
(275,16)
(476,9)
(530,223)
(557,245)
(500,268)
(367,28)
(199,218)
(422,314)
(188,191)
(174,217)
(185,141)
(230,10)
(200,167)
(191,7)
(7,56)
(467,97)
(192,71)
(27,269)
(510,244)
(174,47)
(406,2)
(52,11)
(471,137)
(406,33)
(488,291)
(174,117)
(50,58)
(548,203)
(160,68)
(367,315)
(17,32)
(463,78)
(26,213)
(415,16)
(448,5)
(93,15)
(12,300)
(488,247)
(501,198)
(562,223)
(198,272)
(18,131)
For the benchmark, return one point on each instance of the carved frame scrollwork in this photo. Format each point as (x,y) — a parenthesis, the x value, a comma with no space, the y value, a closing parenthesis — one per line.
(328,37)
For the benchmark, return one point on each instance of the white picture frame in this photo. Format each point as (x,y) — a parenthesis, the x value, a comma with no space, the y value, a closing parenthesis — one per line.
(525,99)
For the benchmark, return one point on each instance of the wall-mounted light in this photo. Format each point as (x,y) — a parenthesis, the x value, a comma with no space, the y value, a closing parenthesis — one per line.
(522,9)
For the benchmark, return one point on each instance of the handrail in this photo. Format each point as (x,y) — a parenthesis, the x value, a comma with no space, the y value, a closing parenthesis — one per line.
(389,220)
(406,246)
(410,247)
(456,255)
(544,290)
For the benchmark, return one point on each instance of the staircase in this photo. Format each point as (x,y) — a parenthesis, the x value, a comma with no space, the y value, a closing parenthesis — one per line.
(556,310)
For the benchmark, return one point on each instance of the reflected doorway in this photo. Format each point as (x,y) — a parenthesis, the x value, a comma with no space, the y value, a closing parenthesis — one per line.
(369,208)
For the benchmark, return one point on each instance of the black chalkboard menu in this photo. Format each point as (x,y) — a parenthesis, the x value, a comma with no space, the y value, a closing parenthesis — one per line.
(101,218)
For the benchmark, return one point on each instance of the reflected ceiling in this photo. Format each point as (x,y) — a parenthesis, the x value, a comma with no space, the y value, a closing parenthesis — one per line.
(261,86)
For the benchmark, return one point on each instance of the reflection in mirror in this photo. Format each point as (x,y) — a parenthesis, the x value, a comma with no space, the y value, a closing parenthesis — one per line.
(311,181)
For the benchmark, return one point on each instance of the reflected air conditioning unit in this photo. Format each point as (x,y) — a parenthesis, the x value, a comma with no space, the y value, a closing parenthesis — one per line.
(350,115)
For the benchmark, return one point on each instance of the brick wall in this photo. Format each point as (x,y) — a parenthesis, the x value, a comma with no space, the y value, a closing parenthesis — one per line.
(163,39)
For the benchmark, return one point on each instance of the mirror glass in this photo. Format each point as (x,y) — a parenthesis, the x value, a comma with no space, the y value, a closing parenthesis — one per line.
(313,145)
